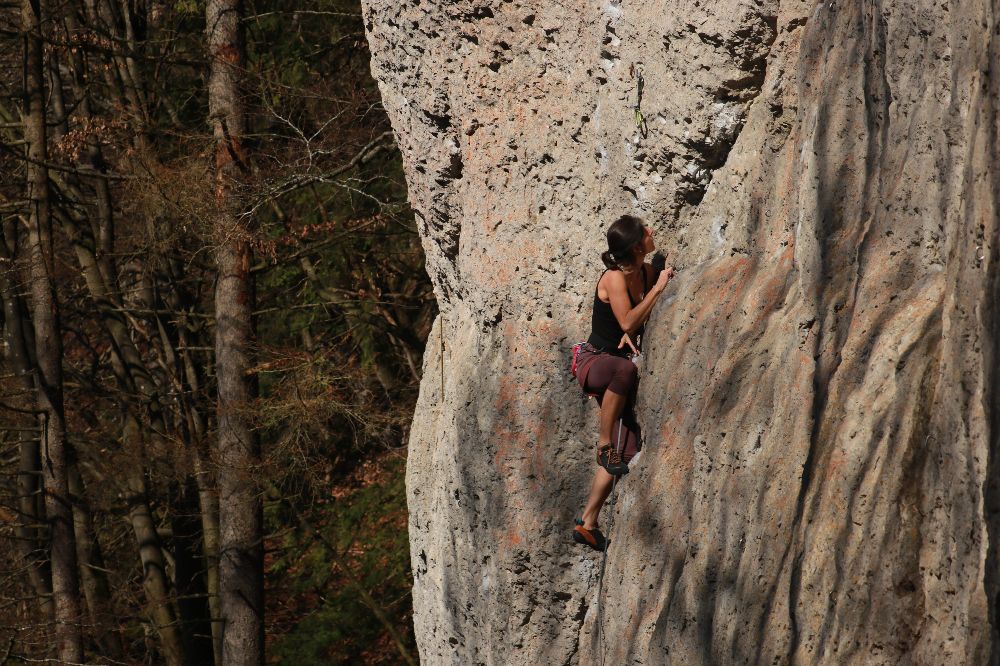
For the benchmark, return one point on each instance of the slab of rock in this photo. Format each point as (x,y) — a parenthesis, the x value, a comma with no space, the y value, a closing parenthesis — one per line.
(819,479)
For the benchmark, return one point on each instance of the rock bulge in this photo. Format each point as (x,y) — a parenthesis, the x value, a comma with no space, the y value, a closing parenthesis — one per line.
(818,479)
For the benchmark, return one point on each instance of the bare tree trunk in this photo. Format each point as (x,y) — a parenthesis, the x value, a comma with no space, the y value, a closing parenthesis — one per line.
(93,580)
(48,350)
(93,240)
(189,579)
(30,542)
(241,583)
(208,496)
(91,159)
(95,260)
(136,380)
(174,339)
(188,374)
(155,580)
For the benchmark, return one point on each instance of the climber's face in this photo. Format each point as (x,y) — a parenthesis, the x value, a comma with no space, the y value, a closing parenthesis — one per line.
(647,240)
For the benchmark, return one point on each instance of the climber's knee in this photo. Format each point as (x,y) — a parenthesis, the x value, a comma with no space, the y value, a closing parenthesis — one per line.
(625,376)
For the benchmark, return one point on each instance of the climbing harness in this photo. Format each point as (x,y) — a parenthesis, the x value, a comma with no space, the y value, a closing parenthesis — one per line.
(576,357)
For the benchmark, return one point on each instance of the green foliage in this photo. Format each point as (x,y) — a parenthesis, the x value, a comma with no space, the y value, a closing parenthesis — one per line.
(367,527)
(189,7)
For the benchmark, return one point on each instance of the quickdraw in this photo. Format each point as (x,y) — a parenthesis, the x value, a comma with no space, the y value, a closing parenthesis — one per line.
(640,83)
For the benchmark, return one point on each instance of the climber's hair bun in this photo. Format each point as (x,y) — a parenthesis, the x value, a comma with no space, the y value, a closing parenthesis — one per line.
(608,260)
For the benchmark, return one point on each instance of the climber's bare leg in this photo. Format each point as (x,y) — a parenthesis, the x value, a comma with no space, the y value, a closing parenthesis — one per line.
(600,488)
(612,405)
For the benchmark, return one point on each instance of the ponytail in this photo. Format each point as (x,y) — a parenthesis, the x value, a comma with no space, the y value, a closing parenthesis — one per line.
(609,260)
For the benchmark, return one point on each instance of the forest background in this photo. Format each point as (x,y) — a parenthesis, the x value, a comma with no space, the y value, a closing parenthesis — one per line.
(214,310)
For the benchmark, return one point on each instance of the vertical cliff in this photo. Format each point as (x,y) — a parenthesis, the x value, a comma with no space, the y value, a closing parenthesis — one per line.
(818,395)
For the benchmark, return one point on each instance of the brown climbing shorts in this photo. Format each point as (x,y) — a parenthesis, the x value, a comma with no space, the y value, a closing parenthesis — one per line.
(598,372)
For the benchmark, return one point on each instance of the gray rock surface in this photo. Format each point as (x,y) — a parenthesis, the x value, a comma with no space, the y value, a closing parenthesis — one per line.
(819,477)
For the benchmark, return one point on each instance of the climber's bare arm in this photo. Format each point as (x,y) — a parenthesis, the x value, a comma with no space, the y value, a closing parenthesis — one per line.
(629,318)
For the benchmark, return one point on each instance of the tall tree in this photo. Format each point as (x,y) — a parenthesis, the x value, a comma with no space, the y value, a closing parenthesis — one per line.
(241,581)
(30,543)
(48,347)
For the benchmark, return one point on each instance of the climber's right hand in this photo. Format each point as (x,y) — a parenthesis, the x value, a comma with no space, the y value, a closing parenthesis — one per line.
(663,278)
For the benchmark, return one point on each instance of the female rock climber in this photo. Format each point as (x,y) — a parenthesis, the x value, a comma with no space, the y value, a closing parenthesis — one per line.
(623,300)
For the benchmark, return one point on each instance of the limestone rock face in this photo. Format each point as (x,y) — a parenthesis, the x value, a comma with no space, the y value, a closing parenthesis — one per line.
(818,482)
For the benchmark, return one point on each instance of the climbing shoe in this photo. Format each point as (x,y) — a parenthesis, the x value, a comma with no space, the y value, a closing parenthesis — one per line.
(611,460)
(592,538)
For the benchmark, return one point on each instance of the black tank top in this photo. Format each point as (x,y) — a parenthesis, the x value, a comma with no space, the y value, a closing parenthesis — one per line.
(605,332)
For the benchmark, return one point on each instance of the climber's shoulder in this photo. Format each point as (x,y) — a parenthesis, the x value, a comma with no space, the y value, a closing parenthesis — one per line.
(612,278)
(612,282)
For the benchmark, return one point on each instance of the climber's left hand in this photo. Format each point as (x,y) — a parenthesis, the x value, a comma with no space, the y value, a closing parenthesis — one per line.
(627,340)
